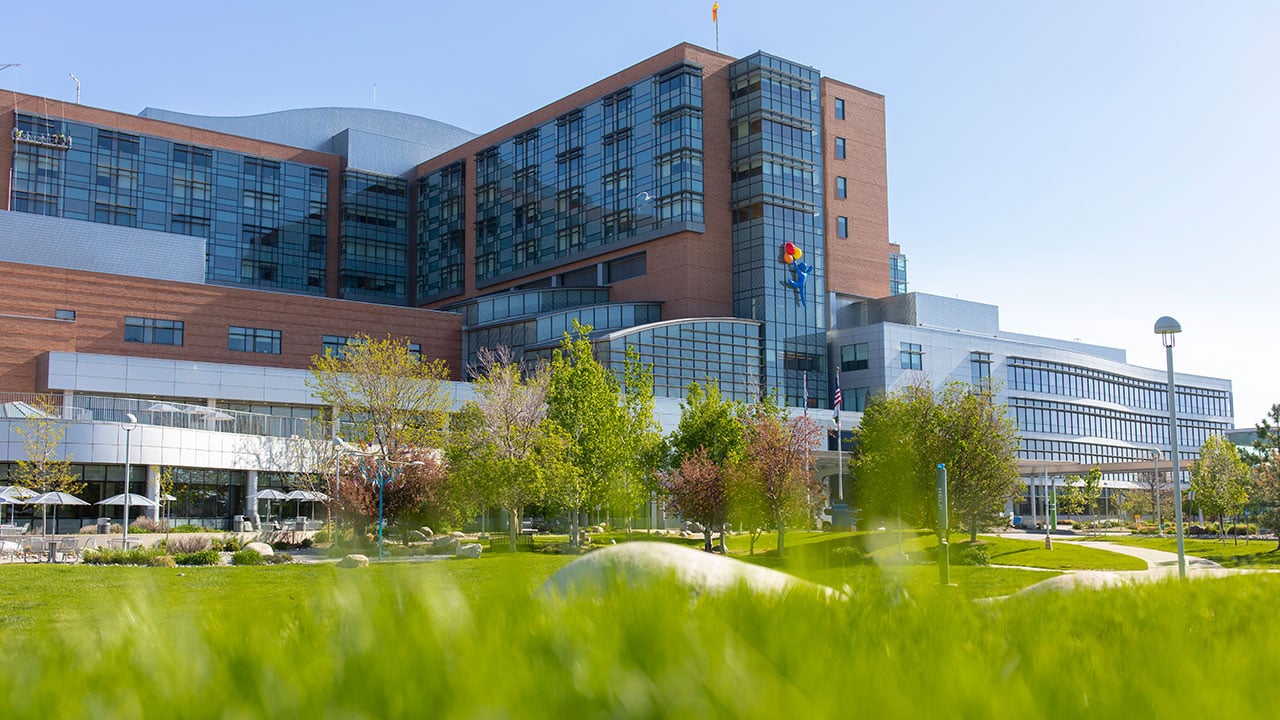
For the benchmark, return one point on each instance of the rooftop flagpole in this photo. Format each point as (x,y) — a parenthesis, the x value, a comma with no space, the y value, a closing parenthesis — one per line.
(715,19)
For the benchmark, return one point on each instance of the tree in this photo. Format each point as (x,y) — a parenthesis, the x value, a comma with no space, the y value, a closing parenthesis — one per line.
(643,450)
(498,442)
(1266,489)
(387,395)
(777,460)
(42,432)
(978,442)
(584,404)
(699,492)
(894,459)
(710,427)
(1080,493)
(1220,479)
(409,490)
(1268,440)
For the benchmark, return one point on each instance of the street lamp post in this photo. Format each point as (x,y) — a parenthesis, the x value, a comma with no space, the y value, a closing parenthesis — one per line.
(1167,328)
(1155,458)
(388,471)
(128,428)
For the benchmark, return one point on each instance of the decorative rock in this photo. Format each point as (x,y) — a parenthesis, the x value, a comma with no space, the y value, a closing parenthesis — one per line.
(426,531)
(353,561)
(263,549)
(416,535)
(457,534)
(444,543)
(470,550)
(637,564)
(596,529)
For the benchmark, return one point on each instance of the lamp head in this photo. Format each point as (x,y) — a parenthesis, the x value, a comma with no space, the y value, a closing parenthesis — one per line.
(132,423)
(1166,328)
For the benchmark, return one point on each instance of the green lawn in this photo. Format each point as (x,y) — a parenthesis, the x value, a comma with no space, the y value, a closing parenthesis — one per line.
(468,639)
(1255,553)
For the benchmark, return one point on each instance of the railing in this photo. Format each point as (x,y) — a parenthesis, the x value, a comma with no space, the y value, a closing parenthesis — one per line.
(54,140)
(97,408)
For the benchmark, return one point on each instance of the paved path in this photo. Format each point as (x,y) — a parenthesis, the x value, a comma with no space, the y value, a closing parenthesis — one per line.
(1161,565)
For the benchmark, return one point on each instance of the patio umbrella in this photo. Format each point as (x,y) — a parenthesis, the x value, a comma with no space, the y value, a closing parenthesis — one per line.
(134,499)
(269,494)
(310,496)
(15,494)
(55,499)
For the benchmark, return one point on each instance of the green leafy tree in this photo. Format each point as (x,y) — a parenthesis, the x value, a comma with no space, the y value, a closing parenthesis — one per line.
(777,460)
(979,445)
(389,398)
(1268,440)
(1081,492)
(1220,479)
(42,432)
(498,444)
(894,460)
(643,448)
(584,404)
(710,427)
(1266,489)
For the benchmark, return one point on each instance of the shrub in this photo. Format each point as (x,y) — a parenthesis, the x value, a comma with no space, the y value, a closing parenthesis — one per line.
(278,559)
(148,525)
(321,536)
(89,530)
(1243,529)
(247,557)
(163,561)
(200,557)
(188,544)
(1077,525)
(230,544)
(187,529)
(848,555)
(113,556)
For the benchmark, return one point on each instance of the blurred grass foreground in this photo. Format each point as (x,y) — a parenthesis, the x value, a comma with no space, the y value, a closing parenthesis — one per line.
(439,640)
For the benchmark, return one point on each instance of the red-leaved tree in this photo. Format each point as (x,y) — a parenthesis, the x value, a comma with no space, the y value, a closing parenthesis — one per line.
(778,462)
(413,491)
(698,492)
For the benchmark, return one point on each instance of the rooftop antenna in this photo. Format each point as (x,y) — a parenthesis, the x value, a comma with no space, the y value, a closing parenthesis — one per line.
(9,65)
(375,96)
(77,81)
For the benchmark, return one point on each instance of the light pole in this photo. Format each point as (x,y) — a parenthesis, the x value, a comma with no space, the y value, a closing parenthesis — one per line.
(1155,459)
(128,428)
(388,471)
(1166,328)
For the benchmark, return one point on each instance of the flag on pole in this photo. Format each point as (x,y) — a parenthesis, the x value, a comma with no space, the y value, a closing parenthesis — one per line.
(715,12)
(836,401)
(806,393)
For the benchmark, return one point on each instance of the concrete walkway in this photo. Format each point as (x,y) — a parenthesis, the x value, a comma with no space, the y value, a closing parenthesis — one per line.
(1161,565)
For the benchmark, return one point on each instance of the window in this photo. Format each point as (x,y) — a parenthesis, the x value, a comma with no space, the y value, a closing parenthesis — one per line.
(912,356)
(842,187)
(336,345)
(626,267)
(856,400)
(254,340)
(980,366)
(415,351)
(153,331)
(853,357)
(64,314)
(842,226)
(839,148)
(839,109)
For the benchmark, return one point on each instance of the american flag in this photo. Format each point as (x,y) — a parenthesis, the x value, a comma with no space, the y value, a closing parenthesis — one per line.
(836,401)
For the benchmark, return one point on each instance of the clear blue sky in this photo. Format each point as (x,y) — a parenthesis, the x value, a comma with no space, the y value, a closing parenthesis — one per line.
(1086,166)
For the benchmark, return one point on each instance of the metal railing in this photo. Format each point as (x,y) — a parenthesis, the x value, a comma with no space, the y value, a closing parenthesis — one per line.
(101,408)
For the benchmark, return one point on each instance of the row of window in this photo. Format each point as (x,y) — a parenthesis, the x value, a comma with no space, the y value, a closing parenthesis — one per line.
(157,331)
(1074,381)
(1058,418)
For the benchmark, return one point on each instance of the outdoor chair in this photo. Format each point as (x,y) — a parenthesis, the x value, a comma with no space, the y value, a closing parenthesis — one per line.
(70,549)
(36,549)
(9,550)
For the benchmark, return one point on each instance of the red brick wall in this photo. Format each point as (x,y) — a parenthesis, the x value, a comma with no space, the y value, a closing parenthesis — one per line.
(28,330)
(858,264)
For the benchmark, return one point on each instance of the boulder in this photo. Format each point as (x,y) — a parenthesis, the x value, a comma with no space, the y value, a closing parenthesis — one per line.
(457,534)
(353,561)
(444,544)
(263,549)
(416,536)
(638,564)
(595,529)
(426,531)
(469,550)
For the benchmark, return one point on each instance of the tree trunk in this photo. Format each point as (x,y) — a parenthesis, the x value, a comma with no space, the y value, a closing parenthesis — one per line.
(573,527)
(782,533)
(516,526)
(706,538)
